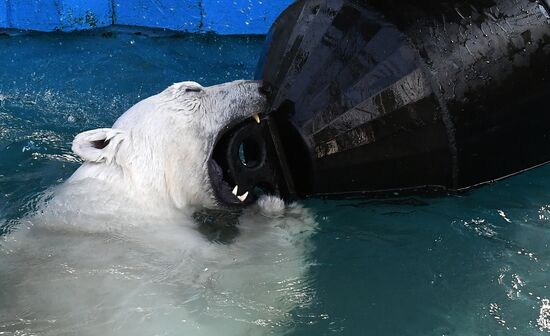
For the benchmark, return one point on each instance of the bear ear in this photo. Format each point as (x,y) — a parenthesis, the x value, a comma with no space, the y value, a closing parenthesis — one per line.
(99,145)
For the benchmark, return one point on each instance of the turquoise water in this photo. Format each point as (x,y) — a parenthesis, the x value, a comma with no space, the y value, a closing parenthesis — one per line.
(469,264)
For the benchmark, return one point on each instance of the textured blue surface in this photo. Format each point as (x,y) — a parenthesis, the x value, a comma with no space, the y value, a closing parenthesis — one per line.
(219,16)
(180,15)
(50,15)
(85,14)
(3,14)
(34,15)
(252,17)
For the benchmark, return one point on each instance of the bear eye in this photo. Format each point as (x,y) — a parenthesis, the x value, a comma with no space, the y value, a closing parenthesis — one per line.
(193,89)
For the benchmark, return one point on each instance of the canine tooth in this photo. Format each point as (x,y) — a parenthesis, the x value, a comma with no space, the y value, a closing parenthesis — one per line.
(256,117)
(235,190)
(243,197)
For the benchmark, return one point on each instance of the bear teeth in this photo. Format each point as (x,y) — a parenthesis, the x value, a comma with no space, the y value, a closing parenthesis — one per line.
(243,197)
(256,117)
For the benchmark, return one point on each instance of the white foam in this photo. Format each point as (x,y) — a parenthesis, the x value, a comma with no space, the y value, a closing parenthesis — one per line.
(72,269)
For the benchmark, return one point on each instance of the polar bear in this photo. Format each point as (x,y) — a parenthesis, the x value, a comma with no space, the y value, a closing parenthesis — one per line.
(132,243)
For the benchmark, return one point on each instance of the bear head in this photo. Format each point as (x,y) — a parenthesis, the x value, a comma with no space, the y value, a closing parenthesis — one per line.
(158,151)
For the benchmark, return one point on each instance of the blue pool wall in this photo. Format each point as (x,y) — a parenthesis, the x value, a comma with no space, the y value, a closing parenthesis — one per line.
(226,17)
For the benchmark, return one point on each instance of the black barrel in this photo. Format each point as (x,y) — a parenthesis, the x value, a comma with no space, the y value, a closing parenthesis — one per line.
(389,95)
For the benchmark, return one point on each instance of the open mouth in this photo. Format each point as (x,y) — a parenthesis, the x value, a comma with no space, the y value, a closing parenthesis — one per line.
(237,166)
(225,193)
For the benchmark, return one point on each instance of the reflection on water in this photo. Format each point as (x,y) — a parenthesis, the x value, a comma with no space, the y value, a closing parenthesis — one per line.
(469,264)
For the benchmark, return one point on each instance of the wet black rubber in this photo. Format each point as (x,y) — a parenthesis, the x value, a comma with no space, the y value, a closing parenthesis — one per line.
(386,95)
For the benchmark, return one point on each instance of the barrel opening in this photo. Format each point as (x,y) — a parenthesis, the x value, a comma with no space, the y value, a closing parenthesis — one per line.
(252,152)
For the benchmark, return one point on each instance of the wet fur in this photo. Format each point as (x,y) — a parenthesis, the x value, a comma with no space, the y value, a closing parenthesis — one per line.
(119,249)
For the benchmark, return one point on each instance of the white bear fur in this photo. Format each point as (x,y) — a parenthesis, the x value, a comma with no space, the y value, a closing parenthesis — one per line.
(159,148)
(115,251)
